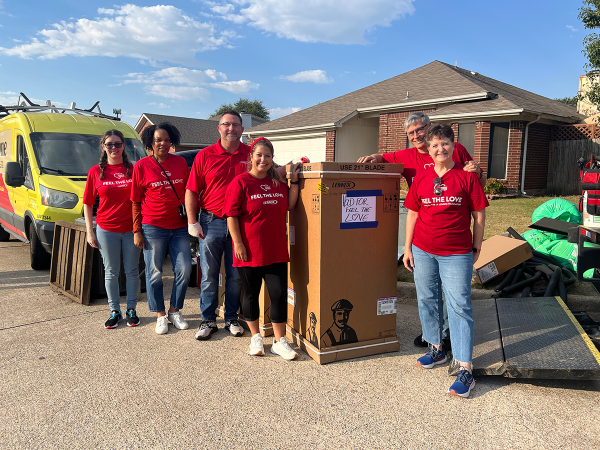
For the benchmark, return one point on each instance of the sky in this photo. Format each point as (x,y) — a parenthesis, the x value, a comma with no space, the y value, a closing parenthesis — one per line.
(186,58)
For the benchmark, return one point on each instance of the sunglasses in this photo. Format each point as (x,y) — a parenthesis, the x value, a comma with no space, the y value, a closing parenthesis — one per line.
(115,145)
(437,186)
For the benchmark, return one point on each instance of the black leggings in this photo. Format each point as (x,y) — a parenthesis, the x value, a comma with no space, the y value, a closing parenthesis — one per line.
(275,276)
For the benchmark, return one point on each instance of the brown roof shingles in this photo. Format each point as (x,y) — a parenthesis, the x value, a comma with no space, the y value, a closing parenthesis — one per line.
(431,81)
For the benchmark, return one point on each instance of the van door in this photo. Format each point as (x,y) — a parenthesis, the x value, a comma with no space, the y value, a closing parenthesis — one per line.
(23,196)
(6,155)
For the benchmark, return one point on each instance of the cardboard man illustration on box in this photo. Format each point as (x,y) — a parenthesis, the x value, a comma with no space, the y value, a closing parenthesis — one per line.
(311,333)
(340,332)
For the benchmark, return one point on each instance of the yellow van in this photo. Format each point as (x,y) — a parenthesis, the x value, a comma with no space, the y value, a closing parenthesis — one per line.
(45,155)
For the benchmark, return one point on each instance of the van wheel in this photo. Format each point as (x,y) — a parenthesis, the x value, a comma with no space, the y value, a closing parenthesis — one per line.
(40,258)
(4,235)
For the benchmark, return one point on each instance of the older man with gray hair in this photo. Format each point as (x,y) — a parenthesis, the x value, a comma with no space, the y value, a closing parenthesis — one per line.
(416,159)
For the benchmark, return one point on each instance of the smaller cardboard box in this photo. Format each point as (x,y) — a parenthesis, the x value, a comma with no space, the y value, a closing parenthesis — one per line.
(498,255)
(264,302)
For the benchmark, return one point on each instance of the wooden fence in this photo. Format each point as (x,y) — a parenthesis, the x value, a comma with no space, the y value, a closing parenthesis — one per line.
(563,171)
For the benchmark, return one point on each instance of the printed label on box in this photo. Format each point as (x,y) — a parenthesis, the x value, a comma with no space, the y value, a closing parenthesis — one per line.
(292,235)
(315,204)
(323,189)
(291,297)
(487,272)
(220,279)
(386,305)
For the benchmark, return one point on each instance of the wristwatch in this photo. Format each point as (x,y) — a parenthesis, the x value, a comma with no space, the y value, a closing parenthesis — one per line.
(476,250)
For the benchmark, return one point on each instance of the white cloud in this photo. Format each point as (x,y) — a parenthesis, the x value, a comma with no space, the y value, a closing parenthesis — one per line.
(185,84)
(276,113)
(328,21)
(8,98)
(159,105)
(154,33)
(178,92)
(572,28)
(309,76)
(237,87)
(175,75)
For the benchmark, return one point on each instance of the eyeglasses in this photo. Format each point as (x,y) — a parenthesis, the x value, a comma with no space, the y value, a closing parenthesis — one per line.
(113,144)
(437,188)
(234,125)
(419,131)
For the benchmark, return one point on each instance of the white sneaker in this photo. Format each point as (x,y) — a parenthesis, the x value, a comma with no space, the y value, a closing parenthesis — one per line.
(177,320)
(234,327)
(162,326)
(283,349)
(256,345)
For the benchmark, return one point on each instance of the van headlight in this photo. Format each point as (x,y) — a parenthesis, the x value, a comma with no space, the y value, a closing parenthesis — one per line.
(58,199)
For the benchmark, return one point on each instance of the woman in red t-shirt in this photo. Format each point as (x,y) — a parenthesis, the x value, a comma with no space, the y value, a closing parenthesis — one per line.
(441,250)
(157,193)
(256,206)
(111,181)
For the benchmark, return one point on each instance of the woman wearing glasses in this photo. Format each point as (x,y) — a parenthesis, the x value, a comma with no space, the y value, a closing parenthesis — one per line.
(111,181)
(441,250)
(160,223)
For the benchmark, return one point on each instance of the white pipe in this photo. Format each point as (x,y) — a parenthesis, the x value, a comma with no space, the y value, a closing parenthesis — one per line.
(525,154)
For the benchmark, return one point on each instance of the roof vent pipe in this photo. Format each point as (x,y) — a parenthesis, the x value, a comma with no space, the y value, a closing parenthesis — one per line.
(525,155)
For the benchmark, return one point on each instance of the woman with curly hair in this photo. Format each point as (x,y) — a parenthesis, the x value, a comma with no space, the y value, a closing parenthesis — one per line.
(158,223)
(111,181)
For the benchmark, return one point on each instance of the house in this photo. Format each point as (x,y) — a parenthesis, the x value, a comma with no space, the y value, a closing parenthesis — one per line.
(499,124)
(195,133)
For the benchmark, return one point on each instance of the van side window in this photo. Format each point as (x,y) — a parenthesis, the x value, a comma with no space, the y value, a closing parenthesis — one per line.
(23,161)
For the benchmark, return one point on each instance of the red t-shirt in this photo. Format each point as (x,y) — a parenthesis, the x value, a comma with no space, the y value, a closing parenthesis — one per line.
(151,187)
(261,208)
(414,161)
(444,222)
(114,209)
(213,169)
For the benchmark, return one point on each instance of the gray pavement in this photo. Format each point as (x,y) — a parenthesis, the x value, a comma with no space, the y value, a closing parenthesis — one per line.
(66,382)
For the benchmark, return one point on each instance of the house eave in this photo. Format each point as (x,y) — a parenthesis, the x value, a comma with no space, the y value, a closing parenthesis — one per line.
(143,116)
(320,127)
(502,112)
(428,102)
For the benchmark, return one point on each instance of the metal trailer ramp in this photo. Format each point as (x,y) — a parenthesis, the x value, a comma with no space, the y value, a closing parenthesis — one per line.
(531,338)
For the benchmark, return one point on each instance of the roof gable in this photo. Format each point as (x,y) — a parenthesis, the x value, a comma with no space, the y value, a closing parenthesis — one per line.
(193,131)
(435,80)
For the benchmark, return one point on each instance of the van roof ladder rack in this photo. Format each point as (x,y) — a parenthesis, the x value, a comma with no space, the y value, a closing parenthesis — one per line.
(26,105)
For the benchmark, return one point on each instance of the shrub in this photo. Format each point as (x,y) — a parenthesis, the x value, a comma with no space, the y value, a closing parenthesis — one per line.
(494,186)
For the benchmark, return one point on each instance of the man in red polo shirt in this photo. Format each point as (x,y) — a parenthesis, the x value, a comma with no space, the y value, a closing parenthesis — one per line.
(213,169)
(416,159)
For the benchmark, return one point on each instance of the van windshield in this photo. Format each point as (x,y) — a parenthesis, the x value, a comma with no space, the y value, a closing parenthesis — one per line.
(74,154)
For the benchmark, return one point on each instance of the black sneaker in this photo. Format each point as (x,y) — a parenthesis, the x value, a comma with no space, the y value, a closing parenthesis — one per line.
(132,319)
(113,321)
(206,330)
(419,342)
(234,327)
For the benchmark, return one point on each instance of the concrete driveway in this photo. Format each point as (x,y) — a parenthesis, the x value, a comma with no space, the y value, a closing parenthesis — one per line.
(66,382)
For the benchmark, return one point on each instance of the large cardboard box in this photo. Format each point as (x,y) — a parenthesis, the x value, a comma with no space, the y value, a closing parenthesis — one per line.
(264,322)
(498,255)
(343,237)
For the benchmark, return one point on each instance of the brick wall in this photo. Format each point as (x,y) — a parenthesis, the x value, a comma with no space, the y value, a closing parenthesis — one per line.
(392,136)
(481,149)
(455,130)
(515,154)
(330,146)
(538,148)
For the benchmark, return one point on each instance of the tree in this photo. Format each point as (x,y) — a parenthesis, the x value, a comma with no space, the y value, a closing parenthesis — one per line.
(246,105)
(590,17)
(571,101)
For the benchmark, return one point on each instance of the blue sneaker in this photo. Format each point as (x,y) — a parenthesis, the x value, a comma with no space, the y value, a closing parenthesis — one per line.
(113,320)
(463,384)
(432,358)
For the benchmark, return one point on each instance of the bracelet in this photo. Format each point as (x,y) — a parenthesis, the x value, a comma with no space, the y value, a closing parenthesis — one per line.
(294,182)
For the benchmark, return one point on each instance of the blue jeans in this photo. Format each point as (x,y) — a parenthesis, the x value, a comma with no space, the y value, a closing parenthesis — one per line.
(157,241)
(217,241)
(453,272)
(111,245)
